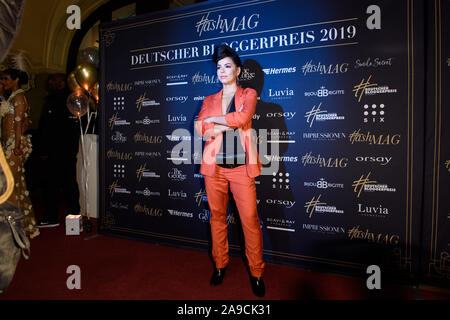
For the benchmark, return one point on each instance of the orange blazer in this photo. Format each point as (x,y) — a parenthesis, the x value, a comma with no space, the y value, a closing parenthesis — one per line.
(245,101)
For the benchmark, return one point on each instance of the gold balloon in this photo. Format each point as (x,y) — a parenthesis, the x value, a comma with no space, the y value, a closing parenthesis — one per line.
(94,91)
(93,104)
(72,82)
(86,75)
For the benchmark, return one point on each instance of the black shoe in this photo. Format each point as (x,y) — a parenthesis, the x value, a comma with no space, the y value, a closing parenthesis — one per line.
(258,286)
(47,224)
(218,275)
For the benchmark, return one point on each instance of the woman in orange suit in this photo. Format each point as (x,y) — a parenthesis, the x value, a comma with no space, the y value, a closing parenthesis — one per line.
(231,164)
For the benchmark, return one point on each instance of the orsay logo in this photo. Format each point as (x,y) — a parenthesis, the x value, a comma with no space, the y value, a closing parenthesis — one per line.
(286,203)
(381,160)
(181,99)
(225,24)
(286,115)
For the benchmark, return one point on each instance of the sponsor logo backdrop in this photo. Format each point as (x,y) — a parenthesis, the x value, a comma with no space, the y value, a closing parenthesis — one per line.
(436,222)
(336,120)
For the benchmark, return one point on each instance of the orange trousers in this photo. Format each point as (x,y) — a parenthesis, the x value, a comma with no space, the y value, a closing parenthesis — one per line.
(244,193)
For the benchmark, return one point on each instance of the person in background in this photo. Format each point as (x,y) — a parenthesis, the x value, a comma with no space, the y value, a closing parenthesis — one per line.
(230,111)
(59,133)
(16,144)
(2,89)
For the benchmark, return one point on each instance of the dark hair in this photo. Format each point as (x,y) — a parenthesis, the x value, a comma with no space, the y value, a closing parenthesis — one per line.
(15,73)
(223,51)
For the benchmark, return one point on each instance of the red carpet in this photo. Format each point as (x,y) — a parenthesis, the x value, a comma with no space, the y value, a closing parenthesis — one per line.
(116,268)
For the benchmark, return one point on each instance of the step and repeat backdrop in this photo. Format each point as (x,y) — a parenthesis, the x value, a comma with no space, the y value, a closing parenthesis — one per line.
(436,222)
(339,124)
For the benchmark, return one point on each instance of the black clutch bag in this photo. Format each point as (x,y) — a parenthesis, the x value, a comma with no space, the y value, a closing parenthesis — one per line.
(231,154)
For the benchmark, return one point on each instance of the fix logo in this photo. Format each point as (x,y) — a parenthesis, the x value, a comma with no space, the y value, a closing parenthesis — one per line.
(119,103)
(372,115)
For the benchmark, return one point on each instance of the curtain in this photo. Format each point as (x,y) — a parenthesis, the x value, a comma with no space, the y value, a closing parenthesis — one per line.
(11,12)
